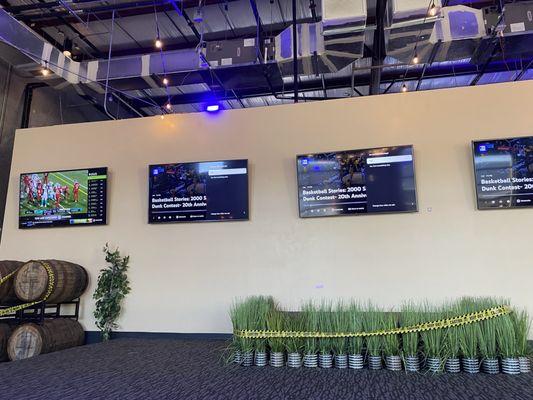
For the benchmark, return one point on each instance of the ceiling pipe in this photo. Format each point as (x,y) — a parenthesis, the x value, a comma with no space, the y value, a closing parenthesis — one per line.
(19,36)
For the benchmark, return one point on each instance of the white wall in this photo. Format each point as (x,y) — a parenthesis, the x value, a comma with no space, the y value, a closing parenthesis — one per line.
(184,276)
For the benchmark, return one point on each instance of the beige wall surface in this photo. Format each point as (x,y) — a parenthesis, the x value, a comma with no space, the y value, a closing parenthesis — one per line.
(185,276)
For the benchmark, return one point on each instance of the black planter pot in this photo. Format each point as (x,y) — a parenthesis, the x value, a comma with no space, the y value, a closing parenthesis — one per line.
(393,363)
(277,359)
(310,360)
(325,360)
(356,361)
(375,362)
(510,366)
(470,365)
(453,365)
(412,364)
(434,364)
(490,366)
(260,359)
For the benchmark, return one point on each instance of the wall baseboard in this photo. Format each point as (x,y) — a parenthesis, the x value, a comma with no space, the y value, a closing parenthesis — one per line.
(95,337)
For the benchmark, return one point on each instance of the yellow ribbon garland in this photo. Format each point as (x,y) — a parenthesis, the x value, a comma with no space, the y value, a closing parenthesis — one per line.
(427,326)
(51,283)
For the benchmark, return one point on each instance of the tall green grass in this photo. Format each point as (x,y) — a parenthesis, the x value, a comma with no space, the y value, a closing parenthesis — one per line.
(310,324)
(276,321)
(294,322)
(340,323)
(522,325)
(251,314)
(433,340)
(374,320)
(326,323)
(355,324)
(506,337)
(452,335)
(469,334)
(391,343)
(410,316)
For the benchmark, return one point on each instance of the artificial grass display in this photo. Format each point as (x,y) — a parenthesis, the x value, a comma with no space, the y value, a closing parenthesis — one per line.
(350,331)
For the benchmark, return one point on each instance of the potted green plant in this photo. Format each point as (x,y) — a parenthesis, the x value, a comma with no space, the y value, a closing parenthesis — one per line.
(355,343)
(391,343)
(373,320)
(111,289)
(242,315)
(276,322)
(325,345)
(468,343)
(433,340)
(410,316)
(294,345)
(507,345)
(451,341)
(522,323)
(237,344)
(310,324)
(261,306)
(340,324)
(488,347)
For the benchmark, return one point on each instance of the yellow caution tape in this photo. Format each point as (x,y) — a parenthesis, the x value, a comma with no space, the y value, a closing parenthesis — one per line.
(427,326)
(51,284)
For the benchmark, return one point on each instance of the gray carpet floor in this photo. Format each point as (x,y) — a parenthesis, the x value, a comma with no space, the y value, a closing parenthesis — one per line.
(177,369)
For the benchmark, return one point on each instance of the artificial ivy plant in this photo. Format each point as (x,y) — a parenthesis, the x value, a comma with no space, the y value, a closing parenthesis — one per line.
(113,285)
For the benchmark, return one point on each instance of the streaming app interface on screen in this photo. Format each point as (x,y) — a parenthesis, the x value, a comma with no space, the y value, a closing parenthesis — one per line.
(357,182)
(199,191)
(62,198)
(504,173)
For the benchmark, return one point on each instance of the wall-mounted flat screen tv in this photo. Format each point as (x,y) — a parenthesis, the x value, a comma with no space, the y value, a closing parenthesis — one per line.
(63,198)
(351,182)
(503,170)
(198,191)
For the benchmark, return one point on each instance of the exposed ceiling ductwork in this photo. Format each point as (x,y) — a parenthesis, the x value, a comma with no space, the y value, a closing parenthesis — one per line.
(341,35)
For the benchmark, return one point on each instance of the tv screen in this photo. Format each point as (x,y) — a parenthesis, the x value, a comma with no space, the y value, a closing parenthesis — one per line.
(357,182)
(503,170)
(63,198)
(198,191)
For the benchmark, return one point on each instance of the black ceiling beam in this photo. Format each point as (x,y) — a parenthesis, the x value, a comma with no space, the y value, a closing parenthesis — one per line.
(388,77)
(430,61)
(524,70)
(378,48)
(78,5)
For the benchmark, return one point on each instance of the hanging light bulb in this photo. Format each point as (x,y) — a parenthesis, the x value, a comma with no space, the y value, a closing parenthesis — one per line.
(416,60)
(404,88)
(45,72)
(168,106)
(432,9)
(158,43)
(165,81)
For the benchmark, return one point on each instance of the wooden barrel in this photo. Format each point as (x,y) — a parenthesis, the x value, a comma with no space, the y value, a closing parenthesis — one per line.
(30,340)
(5,332)
(31,281)
(7,289)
